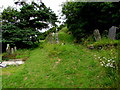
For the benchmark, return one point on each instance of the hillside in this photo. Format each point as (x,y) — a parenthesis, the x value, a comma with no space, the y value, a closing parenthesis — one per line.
(60,66)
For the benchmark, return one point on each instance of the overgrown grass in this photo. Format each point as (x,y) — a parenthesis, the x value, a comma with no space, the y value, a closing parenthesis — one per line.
(60,66)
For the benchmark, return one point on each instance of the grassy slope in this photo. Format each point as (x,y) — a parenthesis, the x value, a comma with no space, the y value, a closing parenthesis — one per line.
(58,66)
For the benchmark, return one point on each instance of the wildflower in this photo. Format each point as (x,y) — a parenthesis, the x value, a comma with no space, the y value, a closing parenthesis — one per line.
(101,64)
(98,57)
(104,57)
(111,65)
(108,64)
(112,57)
(113,61)
(108,60)
(95,55)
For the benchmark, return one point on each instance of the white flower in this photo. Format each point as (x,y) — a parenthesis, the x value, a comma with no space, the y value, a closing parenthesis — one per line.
(94,55)
(108,64)
(111,65)
(98,57)
(113,61)
(112,57)
(104,57)
(108,60)
(101,64)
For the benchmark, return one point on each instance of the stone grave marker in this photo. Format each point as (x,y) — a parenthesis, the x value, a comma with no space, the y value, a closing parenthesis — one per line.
(97,35)
(112,32)
(50,38)
(15,49)
(8,48)
(12,50)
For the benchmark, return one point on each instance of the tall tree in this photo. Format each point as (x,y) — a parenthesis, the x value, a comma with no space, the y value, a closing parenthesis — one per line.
(22,27)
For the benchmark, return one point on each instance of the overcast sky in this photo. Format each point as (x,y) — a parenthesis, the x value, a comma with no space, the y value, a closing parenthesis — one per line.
(53,4)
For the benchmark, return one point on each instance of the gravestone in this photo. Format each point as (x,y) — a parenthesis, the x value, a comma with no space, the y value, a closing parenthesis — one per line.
(53,37)
(97,35)
(12,50)
(8,48)
(53,34)
(50,38)
(112,32)
(15,49)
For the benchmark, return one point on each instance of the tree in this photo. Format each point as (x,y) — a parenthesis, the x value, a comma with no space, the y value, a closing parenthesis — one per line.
(21,28)
(84,17)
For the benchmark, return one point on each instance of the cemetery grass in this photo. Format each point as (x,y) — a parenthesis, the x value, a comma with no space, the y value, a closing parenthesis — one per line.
(59,66)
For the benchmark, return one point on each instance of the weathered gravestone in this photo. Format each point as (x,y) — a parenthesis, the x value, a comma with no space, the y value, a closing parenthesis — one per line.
(97,35)
(53,34)
(50,38)
(12,50)
(53,37)
(112,32)
(15,49)
(8,48)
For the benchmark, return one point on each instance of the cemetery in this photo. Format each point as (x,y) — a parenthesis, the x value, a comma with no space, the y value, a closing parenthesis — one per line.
(82,52)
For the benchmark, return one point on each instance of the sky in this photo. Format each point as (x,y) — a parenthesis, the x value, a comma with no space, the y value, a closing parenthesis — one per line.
(53,4)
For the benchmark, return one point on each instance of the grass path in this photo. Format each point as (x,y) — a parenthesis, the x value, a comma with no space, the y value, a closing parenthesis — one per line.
(57,66)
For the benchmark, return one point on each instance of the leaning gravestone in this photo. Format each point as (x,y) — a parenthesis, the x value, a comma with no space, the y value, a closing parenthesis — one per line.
(97,35)
(112,32)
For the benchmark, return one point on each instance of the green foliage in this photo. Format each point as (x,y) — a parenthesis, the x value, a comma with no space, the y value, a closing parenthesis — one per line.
(21,28)
(64,37)
(106,43)
(51,30)
(84,17)
(64,29)
(88,40)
